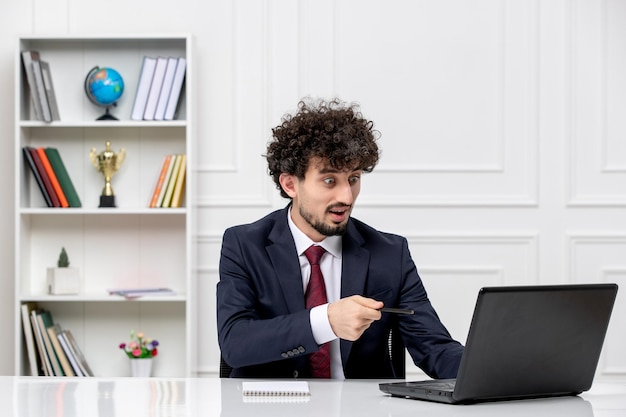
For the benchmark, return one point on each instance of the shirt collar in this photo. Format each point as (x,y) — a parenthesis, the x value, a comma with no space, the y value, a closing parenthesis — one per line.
(332,244)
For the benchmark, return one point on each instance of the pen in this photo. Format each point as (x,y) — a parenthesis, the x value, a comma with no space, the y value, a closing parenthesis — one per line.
(395,310)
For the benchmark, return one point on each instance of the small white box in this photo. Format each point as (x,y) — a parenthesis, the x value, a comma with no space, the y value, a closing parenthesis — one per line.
(63,281)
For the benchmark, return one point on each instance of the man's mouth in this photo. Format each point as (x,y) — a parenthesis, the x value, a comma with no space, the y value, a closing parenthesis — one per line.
(339,214)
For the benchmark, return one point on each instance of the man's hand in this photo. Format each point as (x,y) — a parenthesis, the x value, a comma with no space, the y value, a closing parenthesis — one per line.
(351,316)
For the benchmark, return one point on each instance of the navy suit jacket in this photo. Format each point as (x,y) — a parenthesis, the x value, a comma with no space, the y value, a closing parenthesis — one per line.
(263,325)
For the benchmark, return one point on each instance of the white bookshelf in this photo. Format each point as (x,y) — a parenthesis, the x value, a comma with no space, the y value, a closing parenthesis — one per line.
(130,245)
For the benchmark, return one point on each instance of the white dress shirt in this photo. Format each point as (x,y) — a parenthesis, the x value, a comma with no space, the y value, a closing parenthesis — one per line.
(330,264)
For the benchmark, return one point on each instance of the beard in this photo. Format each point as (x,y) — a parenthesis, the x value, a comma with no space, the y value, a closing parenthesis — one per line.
(323,228)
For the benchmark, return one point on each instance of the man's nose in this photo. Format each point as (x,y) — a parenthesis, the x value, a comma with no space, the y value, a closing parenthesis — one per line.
(345,193)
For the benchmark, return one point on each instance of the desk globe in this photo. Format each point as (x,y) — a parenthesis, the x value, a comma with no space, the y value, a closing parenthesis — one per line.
(104,87)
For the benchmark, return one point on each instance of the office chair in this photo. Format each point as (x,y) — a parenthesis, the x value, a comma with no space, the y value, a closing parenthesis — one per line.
(397,354)
(225,369)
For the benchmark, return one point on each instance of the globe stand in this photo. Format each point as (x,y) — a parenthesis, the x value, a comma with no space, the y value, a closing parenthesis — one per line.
(107,115)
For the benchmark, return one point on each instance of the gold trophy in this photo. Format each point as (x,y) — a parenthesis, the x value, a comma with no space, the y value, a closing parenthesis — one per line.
(108,163)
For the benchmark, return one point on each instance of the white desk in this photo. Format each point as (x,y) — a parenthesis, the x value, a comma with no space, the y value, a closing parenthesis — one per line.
(155,397)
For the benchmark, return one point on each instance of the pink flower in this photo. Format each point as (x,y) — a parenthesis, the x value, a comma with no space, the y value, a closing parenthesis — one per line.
(140,346)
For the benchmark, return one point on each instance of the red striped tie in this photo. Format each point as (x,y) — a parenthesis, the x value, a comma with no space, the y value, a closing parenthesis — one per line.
(316,295)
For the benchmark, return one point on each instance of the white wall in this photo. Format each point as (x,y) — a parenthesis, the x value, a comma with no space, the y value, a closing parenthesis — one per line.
(504,159)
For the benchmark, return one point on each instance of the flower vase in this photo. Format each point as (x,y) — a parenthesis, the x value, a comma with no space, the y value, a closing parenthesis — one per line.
(141,367)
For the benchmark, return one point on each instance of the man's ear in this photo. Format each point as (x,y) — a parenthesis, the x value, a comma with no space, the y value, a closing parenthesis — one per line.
(288,183)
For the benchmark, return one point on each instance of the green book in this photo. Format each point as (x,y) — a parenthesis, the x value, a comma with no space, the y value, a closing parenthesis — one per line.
(44,318)
(64,178)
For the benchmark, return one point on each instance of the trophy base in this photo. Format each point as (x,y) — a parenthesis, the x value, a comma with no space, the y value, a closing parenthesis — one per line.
(107,201)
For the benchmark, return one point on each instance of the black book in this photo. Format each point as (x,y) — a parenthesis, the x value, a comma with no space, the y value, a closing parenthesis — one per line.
(31,163)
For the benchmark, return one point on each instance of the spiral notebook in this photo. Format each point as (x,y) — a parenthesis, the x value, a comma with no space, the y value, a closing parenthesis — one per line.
(275,389)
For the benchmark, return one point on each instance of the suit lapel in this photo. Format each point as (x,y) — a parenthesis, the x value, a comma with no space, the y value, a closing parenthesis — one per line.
(282,253)
(355,264)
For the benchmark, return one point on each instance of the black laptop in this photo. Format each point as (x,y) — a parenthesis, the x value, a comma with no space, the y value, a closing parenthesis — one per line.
(525,342)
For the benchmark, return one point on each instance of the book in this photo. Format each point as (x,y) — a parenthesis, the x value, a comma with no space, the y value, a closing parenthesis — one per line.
(41,347)
(275,388)
(44,320)
(53,332)
(143,87)
(69,353)
(33,168)
(63,177)
(29,337)
(177,86)
(41,89)
(171,182)
(44,177)
(78,354)
(160,181)
(168,175)
(140,292)
(27,61)
(180,183)
(155,88)
(52,176)
(49,87)
(168,80)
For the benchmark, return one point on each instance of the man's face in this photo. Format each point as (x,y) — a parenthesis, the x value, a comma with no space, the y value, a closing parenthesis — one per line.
(323,200)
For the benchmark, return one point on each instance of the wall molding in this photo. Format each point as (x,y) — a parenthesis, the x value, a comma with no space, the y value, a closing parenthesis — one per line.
(596,170)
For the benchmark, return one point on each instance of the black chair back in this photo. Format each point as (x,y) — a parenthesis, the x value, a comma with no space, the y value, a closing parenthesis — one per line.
(225,369)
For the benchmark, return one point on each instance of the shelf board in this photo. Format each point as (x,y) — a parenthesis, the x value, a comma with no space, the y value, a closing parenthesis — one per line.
(107,124)
(88,298)
(89,37)
(47,211)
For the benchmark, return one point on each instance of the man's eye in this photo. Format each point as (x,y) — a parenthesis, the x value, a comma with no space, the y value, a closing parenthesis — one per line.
(329,181)
(354,180)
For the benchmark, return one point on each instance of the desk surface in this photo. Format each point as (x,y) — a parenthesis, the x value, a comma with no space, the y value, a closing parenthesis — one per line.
(190,397)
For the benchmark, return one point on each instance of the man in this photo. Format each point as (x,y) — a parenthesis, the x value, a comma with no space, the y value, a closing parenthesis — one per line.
(266,328)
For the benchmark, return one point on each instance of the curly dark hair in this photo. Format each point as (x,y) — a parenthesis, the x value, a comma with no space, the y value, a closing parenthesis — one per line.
(331,130)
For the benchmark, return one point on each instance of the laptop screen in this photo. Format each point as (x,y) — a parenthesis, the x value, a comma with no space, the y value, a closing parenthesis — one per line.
(534,340)
(526,342)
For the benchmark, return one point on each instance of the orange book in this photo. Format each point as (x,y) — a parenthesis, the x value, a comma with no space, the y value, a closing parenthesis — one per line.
(53,178)
(160,181)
